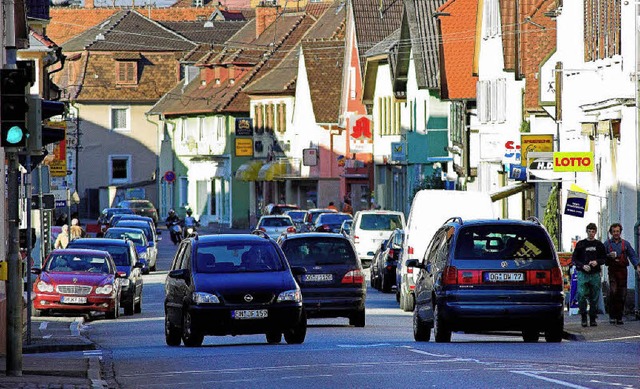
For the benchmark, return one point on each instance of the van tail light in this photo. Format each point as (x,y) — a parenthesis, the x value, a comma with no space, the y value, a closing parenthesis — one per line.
(291,229)
(551,277)
(410,250)
(356,239)
(412,287)
(262,229)
(353,277)
(450,276)
(470,277)
(409,270)
(392,253)
(556,277)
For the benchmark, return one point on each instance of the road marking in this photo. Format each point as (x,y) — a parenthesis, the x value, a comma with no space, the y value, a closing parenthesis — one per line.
(294,377)
(47,336)
(562,383)
(622,338)
(363,345)
(429,354)
(43,326)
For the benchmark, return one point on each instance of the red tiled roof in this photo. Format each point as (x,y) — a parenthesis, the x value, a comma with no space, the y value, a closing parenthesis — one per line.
(458,36)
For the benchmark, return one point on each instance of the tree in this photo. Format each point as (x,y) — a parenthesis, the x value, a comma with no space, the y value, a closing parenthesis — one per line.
(550,220)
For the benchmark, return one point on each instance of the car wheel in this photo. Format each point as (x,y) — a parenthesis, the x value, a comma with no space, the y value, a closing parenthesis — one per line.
(115,312)
(39,312)
(138,306)
(130,307)
(398,295)
(357,319)
(190,336)
(421,331)
(171,333)
(554,333)
(274,337)
(441,331)
(530,335)
(297,334)
(386,284)
(153,268)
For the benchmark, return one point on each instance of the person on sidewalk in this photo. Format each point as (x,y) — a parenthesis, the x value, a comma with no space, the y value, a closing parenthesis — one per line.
(619,253)
(332,206)
(347,208)
(588,257)
(62,240)
(76,232)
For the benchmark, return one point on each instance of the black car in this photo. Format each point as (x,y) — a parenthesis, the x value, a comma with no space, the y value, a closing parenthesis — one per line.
(385,262)
(489,275)
(125,256)
(331,222)
(333,284)
(232,285)
(107,214)
(141,207)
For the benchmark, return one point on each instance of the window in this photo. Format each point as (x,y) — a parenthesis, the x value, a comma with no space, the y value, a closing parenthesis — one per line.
(602,29)
(282,117)
(120,118)
(126,72)
(352,83)
(457,124)
(119,169)
(183,188)
(491,22)
(492,100)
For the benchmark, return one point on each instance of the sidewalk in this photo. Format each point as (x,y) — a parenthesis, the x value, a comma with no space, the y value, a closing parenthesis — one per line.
(41,370)
(603,332)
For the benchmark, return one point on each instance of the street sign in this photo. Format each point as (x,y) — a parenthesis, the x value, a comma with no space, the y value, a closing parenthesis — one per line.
(576,203)
(244,147)
(48,201)
(170,176)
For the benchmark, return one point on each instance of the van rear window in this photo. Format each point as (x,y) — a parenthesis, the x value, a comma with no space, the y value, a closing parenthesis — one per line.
(380,222)
(520,243)
(319,251)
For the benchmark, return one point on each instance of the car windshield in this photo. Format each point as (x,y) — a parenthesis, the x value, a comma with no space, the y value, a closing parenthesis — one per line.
(144,227)
(315,214)
(138,238)
(77,263)
(114,211)
(318,251)
(380,222)
(118,252)
(329,218)
(297,216)
(500,242)
(238,258)
(137,204)
(275,222)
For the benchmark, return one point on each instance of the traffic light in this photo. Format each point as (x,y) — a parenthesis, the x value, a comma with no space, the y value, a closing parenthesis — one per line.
(41,133)
(14,107)
(23,238)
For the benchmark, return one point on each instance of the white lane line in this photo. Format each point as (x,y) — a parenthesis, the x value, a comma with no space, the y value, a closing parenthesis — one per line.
(562,383)
(43,326)
(47,336)
(429,354)
(614,339)
(363,345)
(295,377)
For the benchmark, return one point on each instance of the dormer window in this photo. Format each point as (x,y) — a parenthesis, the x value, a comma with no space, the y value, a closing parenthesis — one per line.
(127,68)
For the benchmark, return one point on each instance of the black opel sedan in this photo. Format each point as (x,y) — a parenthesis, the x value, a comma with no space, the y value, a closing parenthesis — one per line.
(232,285)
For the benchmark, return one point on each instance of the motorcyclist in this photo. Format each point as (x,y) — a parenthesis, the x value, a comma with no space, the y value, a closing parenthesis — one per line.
(172,217)
(172,220)
(190,222)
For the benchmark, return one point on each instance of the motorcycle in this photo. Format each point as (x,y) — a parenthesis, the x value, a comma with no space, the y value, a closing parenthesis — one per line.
(175,231)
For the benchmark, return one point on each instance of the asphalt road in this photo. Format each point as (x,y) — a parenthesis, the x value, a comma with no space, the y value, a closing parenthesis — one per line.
(335,355)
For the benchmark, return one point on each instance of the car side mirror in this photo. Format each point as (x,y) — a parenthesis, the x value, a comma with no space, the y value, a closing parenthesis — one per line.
(36,270)
(371,253)
(158,232)
(178,274)
(298,270)
(414,263)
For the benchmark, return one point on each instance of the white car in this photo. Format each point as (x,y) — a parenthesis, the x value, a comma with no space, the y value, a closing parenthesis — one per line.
(275,225)
(371,228)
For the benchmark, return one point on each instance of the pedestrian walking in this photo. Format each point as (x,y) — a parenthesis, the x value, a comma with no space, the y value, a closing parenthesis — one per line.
(619,254)
(347,208)
(76,231)
(62,240)
(332,206)
(588,258)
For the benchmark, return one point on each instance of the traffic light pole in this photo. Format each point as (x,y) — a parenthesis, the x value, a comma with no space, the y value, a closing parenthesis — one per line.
(27,195)
(14,278)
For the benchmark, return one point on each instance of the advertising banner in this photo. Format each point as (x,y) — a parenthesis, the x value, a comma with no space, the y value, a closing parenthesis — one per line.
(576,203)
(535,143)
(573,161)
(58,165)
(244,147)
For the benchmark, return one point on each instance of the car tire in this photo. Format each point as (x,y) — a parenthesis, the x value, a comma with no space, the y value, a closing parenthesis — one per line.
(190,336)
(115,312)
(531,335)
(152,268)
(130,307)
(407,302)
(138,305)
(421,331)
(39,312)
(554,333)
(297,334)
(274,337)
(398,295)
(358,318)
(441,331)
(171,334)
(386,284)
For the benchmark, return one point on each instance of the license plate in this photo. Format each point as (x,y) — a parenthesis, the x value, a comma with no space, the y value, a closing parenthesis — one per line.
(250,314)
(318,277)
(73,300)
(504,277)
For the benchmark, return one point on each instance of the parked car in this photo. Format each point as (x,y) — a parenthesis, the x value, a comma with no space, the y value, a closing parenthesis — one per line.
(78,281)
(370,228)
(345,228)
(489,275)
(279,209)
(425,219)
(142,208)
(138,238)
(385,262)
(312,215)
(331,222)
(107,214)
(333,284)
(276,225)
(232,285)
(125,257)
(298,218)
(150,233)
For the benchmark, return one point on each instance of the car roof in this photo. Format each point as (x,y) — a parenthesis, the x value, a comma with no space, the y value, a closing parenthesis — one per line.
(102,241)
(132,222)
(275,217)
(80,251)
(125,229)
(135,201)
(316,235)
(380,212)
(513,222)
(237,238)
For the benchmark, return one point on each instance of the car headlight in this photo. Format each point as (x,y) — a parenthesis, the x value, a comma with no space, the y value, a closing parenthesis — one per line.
(44,287)
(290,295)
(124,282)
(105,289)
(205,298)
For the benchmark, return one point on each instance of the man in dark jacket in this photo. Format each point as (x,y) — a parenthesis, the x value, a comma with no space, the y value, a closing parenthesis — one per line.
(619,253)
(588,257)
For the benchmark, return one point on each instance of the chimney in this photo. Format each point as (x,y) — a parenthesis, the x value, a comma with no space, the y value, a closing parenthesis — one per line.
(266,13)
(89,4)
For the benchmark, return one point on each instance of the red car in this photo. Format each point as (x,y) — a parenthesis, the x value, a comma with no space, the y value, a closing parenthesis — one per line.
(77,280)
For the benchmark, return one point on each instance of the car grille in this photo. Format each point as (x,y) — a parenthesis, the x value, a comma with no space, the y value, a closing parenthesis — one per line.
(258,298)
(74,289)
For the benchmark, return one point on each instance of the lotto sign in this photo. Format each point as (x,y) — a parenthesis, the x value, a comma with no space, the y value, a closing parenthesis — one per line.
(573,162)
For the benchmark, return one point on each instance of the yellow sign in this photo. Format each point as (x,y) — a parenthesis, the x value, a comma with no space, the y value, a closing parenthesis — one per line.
(58,165)
(536,143)
(244,147)
(573,161)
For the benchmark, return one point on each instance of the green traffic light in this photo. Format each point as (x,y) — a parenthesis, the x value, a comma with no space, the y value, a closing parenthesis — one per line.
(15,135)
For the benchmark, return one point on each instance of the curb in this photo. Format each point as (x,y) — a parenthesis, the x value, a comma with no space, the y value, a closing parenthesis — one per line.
(573,337)
(76,342)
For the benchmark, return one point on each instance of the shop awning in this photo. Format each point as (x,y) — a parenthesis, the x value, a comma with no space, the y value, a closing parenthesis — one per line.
(272,171)
(248,171)
(509,190)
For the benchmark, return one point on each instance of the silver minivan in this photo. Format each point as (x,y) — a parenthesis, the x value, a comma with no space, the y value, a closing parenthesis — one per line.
(371,228)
